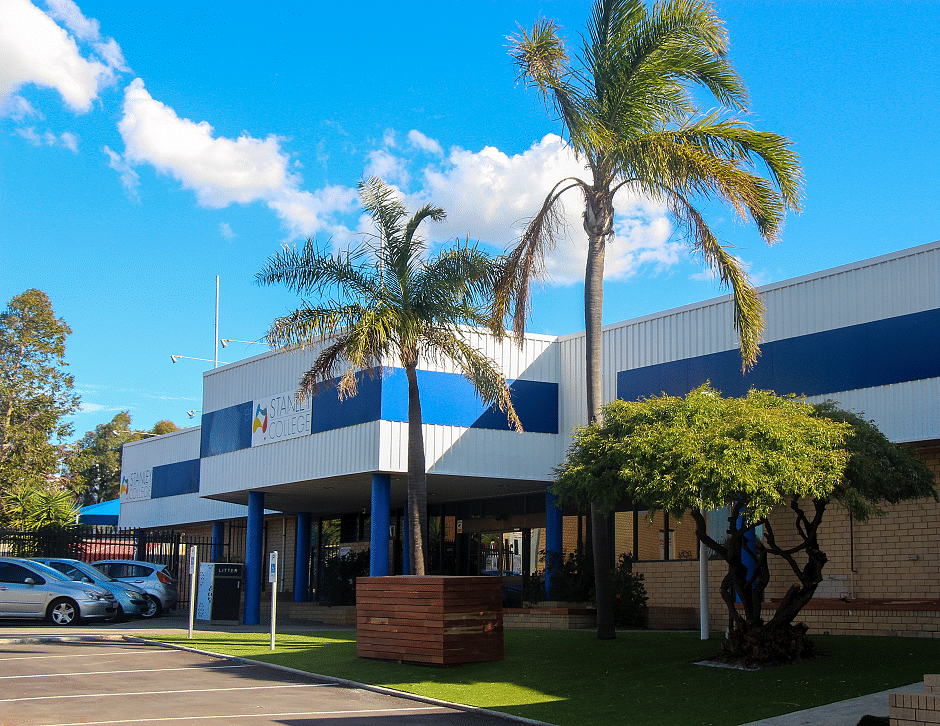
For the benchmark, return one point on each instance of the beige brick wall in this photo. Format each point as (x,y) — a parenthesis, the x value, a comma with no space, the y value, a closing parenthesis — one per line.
(895,556)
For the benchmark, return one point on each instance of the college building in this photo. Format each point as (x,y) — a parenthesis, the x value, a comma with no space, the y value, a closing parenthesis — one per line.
(264,472)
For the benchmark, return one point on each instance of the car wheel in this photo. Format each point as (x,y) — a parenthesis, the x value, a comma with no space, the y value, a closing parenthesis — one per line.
(63,612)
(118,616)
(153,608)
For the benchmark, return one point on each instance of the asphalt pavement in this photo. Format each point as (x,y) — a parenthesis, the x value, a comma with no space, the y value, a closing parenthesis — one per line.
(99,674)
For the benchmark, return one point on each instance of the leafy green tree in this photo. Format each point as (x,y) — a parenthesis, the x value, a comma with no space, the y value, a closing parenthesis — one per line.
(95,460)
(702,452)
(706,452)
(391,303)
(629,114)
(35,393)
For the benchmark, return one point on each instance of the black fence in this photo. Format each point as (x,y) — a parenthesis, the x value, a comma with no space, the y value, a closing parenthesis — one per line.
(92,543)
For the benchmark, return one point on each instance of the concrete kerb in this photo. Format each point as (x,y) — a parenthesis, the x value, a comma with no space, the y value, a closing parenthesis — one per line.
(285,669)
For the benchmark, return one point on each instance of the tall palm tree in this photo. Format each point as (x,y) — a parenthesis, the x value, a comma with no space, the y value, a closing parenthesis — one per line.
(629,115)
(391,302)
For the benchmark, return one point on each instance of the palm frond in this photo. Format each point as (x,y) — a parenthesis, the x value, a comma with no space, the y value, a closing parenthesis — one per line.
(526,261)
(480,370)
(748,306)
(308,270)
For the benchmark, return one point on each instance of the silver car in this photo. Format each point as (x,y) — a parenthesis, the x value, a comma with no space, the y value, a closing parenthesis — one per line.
(131,599)
(155,580)
(31,590)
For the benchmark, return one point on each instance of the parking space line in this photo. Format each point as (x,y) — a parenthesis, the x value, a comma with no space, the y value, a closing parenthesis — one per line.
(375,711)
(89,655)
(161,693)
(140,670)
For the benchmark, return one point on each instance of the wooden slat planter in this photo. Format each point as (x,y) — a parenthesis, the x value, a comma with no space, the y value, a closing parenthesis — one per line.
(433,620)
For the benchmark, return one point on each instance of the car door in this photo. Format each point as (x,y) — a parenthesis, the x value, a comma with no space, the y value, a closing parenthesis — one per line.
(19,598)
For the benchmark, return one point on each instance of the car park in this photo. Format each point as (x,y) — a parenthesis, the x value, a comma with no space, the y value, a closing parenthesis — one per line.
(155,580)
(31,590)
(131,599)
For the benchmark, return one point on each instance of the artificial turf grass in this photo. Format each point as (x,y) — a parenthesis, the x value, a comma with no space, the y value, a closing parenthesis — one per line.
(570,677)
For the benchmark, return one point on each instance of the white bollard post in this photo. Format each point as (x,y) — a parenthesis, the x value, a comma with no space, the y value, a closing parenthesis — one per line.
(272,580)
(192,588)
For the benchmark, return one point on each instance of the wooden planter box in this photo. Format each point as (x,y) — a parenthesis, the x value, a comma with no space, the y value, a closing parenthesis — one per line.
(431,620)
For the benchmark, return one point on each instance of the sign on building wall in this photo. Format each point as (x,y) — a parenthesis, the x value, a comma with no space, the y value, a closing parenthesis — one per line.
(136,485)
(279,417)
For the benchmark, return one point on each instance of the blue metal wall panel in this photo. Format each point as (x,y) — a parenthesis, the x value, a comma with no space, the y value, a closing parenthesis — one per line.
(328,412)
(225,430)
(449,399)
(172,479)
(880,353)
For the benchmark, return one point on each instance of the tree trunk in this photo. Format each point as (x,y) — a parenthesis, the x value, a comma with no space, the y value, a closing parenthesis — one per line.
(598,221)
(417,477)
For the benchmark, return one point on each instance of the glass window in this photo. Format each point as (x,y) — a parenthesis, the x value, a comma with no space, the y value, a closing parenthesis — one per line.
(17,574)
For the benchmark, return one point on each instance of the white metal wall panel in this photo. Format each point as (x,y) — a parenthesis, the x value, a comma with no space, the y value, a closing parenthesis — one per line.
(897,284)
(254,377)
(904,412)
(348,450)
(474,452)
(168,511)
(172,511)
(158,450)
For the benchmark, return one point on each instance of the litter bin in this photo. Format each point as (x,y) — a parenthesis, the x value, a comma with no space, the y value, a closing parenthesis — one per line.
(220,591)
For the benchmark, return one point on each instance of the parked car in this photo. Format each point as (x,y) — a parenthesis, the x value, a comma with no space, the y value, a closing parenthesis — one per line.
(155,580)
(31,590)
(131,599)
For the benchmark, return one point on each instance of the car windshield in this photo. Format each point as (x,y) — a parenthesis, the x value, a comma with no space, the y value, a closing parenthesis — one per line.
(92,571)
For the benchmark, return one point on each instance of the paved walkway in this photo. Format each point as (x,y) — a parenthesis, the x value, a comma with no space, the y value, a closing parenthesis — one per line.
(842,713)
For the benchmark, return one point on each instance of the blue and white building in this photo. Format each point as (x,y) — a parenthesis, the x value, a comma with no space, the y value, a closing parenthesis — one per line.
(865,334)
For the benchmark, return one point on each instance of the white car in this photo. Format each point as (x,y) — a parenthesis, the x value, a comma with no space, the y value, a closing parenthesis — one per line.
(31,590)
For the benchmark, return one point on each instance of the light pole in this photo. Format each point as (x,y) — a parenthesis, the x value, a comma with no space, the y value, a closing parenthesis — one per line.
(175,358)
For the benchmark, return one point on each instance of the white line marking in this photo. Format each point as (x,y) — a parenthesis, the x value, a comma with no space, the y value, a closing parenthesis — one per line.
(89,655)
(162,693)
(105,673)
(254,715)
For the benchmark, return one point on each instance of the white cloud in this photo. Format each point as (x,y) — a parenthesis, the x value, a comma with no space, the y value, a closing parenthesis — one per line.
(425,143)
(35,50)
(384,164)
(388,138)
(129,178)
(222,171)
(226,230)
(47,138)
(17,108)
(490,195)
(69,141)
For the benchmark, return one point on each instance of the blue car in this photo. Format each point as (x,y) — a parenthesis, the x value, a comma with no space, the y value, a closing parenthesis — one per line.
(131,600)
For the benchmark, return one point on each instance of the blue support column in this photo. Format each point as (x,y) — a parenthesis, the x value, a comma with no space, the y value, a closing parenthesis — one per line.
(378,531)
(254,553)
(553,540)
(405,543)
(218,541)
(302,558)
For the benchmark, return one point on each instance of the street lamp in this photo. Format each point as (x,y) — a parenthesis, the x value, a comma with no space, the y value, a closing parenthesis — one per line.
(175,358)
(226,341)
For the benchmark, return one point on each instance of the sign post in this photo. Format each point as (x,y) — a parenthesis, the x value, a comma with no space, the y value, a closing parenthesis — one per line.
(192,588)
(272,580)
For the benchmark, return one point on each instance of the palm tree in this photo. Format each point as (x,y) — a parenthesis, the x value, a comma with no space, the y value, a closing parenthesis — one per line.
(629,115)
(392,303)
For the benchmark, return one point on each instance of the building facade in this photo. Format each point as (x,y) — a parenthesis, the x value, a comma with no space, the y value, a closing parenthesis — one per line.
(864,335)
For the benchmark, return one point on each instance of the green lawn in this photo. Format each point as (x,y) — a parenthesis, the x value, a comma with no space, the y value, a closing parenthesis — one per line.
(571,678)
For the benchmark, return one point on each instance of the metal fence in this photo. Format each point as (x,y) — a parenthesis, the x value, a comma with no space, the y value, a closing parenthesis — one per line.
(93,543)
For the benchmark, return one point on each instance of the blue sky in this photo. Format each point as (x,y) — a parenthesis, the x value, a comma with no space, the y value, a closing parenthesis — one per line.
(146,148)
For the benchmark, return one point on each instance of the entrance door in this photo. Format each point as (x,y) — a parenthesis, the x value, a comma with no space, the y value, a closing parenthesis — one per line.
(502,554)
